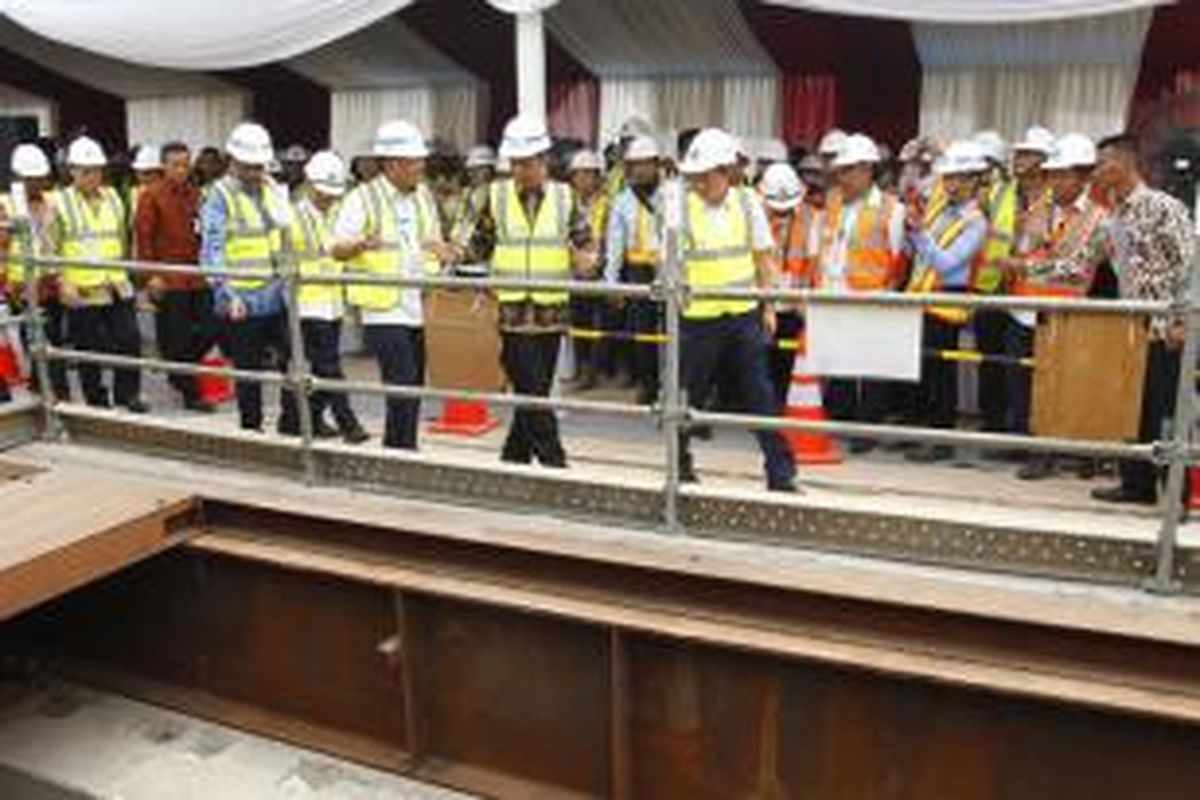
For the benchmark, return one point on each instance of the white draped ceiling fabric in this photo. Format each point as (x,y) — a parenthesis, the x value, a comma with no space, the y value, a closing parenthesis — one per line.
(679,63)
(971,11)
(388,71)
(15,103)
(1076,75)
(161,104)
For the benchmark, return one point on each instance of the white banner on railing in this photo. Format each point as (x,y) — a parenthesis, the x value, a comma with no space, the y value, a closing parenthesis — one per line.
(864,341)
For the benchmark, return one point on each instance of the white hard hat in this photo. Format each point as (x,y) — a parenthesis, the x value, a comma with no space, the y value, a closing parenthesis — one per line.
(399,138)
(962,157)
(296,153)
(327,173)
(586,159)
(1036,140)
(249,143)
(524,137)
(85,152)
(781,187)
(832,142)
(992,145)
(1071,151)
(636,126)
(503,166)
(643,148)
(856,149)
(480,155)
(28,161)
(148,158)
(772,151)
(712,148)
(743,151)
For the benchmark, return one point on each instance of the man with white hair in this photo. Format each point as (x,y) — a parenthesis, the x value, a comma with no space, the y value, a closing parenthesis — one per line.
(241,226)
(389,227)
(91,223)
(726,242)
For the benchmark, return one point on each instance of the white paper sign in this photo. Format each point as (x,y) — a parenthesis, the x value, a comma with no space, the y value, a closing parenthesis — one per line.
(864,341)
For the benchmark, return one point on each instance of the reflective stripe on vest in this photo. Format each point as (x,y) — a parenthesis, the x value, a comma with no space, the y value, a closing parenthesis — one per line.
(251,238)
(870,263)
(792,231)
(92,232)
(986,275)
(534,252)
(310,236)
(944,230)
(393,254)
(718,260)
(1068,240)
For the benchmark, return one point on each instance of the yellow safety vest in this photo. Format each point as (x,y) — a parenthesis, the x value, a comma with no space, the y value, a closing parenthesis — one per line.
(718,260)
(378,199)
(13,271)
(252,238)
(469,208)
(986,276)
(944,229)
(92,231)
(638,251)
(537,252)
(310,238)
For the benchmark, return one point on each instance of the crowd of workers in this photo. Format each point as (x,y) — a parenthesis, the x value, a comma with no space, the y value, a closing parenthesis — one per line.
(1046,215)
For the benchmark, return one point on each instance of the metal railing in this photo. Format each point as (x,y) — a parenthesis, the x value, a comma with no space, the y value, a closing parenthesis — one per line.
(671,412)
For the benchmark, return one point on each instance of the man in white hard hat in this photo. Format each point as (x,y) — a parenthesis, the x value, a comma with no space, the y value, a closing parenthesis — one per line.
(726,242)
(241,229)
(792,224)
(390,227)
(861,250)
(91,224)
(585,174)
(147,171)
(830,144)
(537,237)
(633,254)
(322,305)
(479,170)
(945,242)
(292,162)
(34,179)
(1065,266)
(165,231)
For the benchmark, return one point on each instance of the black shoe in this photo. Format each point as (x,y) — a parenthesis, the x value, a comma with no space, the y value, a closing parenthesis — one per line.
(899,446)
(702,432)
(860,446)
(787,487)
(688,475)
(99,402)
(252,428)
(323,430)
(930,455)
(288,429)
(355,435)
(5,395)
(1038,469)
(1119,494)
(201,406)
(137,407)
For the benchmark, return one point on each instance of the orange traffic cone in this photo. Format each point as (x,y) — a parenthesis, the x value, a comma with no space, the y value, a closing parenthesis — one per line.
(214,389)
(804,402)
(10,366)
(464,418)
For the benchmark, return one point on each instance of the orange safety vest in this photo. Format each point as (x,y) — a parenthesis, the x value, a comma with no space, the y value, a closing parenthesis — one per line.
(791,232)
(871,264)
(1067,238)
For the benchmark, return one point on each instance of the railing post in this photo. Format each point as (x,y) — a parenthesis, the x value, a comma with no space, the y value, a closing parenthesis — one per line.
(299,376)
(51,424)
(1164,580)
(673,406)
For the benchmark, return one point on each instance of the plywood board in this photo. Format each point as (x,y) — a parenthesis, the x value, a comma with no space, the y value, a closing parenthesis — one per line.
(462,341)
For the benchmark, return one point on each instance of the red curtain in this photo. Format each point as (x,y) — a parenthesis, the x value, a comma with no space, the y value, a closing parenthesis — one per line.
(574,109)
(809,105)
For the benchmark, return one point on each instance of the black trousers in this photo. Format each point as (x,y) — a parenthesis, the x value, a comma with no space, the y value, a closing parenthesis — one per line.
(323,350)
(588,313)
(1141,478)
(1018,343)
(257,343)
(857,399)
(991,328)
(645,317)
(529,361)
(400,353)
(185,328)
(939,377)
(789,327)
(110,328)
(54,321)
(734,346)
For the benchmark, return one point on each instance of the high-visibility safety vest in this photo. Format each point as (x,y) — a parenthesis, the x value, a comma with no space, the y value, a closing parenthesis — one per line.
(715,259)
(792,231)
(537,251)
(640,247)
(310,239)
(871,264)
(986,275)
(378,198)
(12,270)
(92,231)
(944,228)
(252,237)
(470,206)
(1068,239)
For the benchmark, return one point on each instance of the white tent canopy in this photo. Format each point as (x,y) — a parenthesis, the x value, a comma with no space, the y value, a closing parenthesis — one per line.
(386,71)
(971,11)
(680,63)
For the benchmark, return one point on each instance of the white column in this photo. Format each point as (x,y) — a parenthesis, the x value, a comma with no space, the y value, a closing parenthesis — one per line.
(531,64)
